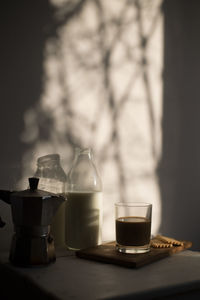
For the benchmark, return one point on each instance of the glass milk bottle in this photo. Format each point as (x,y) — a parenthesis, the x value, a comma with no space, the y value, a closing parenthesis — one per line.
(53,179)
(84,202)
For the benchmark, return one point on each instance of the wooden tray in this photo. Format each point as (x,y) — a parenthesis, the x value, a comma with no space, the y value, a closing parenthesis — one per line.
(107,253)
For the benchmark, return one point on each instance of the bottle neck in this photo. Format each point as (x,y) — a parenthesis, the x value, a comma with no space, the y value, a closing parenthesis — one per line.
(82,154)
(83,175)
(49,161)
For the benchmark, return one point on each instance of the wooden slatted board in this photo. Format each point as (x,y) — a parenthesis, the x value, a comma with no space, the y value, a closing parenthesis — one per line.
(108,254)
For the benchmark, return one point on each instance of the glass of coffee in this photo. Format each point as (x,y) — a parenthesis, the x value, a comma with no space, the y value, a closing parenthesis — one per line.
(133,227)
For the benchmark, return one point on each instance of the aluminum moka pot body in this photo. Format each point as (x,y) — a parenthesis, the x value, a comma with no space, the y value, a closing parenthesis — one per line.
(32,213)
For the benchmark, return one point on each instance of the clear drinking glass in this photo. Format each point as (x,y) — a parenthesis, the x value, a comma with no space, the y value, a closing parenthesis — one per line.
(133,227)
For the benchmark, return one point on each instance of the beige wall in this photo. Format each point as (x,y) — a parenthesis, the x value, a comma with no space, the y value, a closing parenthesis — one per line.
(92,76)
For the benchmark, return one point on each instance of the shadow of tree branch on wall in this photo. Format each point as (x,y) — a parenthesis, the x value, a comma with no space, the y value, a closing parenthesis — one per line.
(97,92)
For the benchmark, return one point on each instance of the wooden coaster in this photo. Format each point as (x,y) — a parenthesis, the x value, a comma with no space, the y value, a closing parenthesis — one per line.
(107,253)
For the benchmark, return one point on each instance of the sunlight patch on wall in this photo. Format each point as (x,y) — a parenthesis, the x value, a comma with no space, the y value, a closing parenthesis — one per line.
(103,89)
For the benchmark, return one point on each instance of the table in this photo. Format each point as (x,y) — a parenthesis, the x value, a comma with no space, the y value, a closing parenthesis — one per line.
(70,277)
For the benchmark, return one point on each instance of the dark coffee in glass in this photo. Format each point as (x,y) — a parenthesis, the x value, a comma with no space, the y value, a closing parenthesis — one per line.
(133,231)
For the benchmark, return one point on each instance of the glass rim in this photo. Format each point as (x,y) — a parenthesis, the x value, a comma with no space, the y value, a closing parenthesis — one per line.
(86,150)
(45,158)
(133,204)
